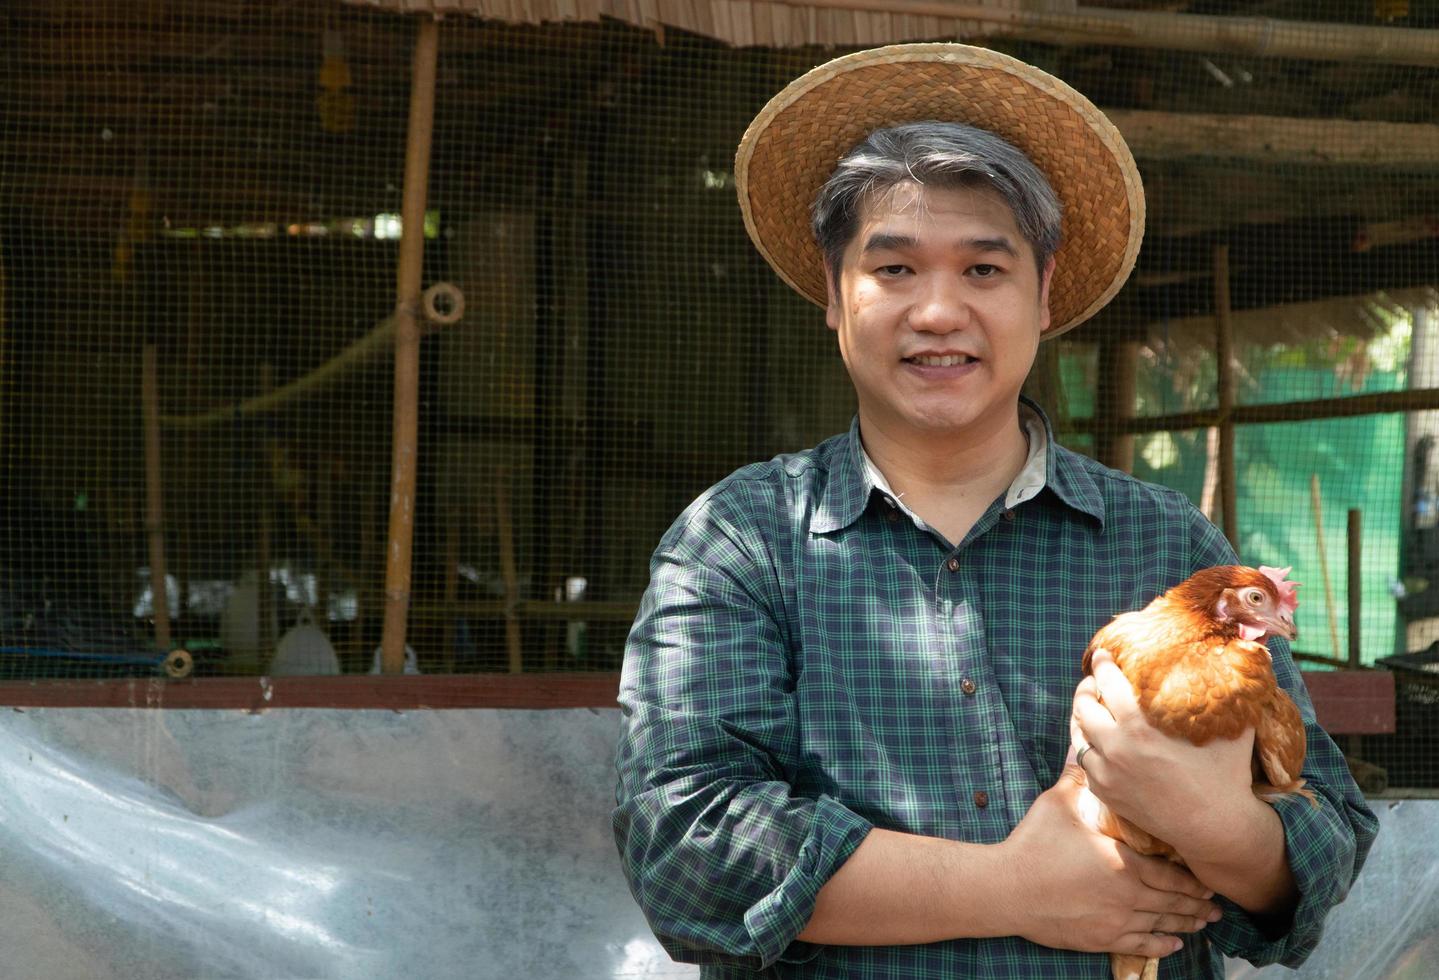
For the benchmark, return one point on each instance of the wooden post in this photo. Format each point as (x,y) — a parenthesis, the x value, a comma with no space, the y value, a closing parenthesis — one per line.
(1356,588)
(1224,364)
(452,586)
(1118,371)
(1316,500)
(154,498)
(265,625)
(1421,429)
(407,348)
(509,572)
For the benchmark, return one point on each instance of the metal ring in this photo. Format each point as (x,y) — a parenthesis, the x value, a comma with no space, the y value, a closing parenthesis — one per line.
(1079,756)
(178,663)
(443,304)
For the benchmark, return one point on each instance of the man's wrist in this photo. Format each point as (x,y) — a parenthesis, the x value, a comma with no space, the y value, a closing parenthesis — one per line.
(1009,870)
(1247,860)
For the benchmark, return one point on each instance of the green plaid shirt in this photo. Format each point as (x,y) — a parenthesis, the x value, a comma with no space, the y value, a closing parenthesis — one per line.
(809,662)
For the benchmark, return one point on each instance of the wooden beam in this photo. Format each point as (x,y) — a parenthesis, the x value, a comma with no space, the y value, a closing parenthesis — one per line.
(1261,36)
(363,691)
(1378,403)
(1278,140)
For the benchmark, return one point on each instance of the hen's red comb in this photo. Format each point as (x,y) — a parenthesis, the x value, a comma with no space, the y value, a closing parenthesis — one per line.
(1288,596)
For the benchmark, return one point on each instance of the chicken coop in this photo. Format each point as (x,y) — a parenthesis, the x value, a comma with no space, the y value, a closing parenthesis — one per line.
(341,340)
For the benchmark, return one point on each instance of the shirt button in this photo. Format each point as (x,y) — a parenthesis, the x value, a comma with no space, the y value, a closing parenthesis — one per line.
(967,686)
(1009,515)
(952,564)
(981,799)
(891,515)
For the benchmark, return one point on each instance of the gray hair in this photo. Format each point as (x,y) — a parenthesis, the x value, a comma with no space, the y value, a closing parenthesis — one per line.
(944,154)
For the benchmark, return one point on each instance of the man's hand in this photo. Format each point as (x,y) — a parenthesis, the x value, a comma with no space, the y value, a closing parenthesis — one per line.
(1179,792)
(1074,888)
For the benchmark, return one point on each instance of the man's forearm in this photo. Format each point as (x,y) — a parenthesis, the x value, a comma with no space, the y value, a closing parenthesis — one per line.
(899,889)
(1246,861)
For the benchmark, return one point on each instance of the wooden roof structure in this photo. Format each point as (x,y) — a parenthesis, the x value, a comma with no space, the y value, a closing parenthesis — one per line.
(1278,134)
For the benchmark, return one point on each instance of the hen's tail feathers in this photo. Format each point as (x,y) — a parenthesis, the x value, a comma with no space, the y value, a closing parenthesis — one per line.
(1273,794)
(1125,966)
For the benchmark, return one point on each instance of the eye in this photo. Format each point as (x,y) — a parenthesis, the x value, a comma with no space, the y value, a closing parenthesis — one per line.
(1255,597)
(892,271)
(985,271)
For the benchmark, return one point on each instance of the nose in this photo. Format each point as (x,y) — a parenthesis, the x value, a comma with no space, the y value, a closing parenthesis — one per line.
(941,305)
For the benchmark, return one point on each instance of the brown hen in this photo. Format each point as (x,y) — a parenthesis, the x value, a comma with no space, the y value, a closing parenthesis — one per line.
(1196,659)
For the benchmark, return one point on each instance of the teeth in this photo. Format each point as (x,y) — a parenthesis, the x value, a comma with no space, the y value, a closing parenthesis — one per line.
(946,360)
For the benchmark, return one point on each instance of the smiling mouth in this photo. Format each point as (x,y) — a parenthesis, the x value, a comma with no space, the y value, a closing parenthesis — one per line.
(940,360)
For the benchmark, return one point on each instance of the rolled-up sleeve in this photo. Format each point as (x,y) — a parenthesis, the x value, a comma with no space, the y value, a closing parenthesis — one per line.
(1324,845)
(722,854)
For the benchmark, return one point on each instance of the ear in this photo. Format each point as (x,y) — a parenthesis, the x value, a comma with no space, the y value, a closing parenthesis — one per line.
(831,289)
(1228,599)
(1046,276)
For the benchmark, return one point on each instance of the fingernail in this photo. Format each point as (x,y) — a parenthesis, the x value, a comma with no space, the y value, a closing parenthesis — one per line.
(1215,914)
(1176,945)
(1208,895)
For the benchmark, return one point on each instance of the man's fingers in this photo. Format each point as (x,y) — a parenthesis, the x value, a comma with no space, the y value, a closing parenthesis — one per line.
(1090,720)
(1168,923)
(1114,688)
(1170,878)
(1148,944)
(1181,906)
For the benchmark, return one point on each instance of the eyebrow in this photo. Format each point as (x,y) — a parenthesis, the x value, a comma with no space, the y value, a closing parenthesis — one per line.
(884,241)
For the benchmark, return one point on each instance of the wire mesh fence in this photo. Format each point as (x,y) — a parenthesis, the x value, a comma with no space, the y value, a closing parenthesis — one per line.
(219,183)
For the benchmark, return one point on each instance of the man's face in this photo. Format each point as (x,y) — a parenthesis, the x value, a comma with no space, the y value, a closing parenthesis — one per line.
(939,310)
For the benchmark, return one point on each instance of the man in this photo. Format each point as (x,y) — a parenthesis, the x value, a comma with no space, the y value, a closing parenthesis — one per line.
(849,688)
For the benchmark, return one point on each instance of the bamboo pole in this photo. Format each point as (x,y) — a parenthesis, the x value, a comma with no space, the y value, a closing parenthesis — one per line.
(1224,361)
(369,347)
(1355,539)
(1308,40)
(154,497)
(407,347)
(1317,503)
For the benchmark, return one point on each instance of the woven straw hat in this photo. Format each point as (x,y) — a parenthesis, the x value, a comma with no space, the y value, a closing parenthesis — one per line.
(796,141)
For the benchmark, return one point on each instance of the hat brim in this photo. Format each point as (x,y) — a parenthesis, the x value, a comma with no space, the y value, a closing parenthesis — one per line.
(794,144)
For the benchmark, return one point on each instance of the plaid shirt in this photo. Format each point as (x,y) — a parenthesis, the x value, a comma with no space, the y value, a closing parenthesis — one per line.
(810,662)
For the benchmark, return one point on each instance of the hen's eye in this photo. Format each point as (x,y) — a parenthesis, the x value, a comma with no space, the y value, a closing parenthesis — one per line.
(1256,597)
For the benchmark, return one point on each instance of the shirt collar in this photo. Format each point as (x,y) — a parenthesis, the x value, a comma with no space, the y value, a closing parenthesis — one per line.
(853,477)
(1067,474)
(847,491)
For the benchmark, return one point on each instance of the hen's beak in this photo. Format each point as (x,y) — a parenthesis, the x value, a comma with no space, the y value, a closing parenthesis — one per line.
(1281,625)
